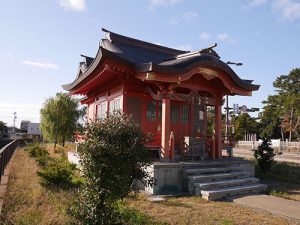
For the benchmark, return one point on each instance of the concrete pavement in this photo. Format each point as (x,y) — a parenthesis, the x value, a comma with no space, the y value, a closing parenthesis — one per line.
(275,205)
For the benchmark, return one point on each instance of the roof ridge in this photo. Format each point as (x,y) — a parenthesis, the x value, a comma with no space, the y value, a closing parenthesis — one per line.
(85,56)
(139,43)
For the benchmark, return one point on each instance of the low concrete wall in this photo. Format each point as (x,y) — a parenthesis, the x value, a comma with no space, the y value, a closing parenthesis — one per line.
(168,178)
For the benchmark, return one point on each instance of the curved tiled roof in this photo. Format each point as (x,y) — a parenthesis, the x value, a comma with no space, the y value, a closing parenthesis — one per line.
(147,57)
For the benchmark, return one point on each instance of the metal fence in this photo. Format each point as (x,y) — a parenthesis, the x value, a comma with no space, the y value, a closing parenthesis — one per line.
(5,155)
(274,142)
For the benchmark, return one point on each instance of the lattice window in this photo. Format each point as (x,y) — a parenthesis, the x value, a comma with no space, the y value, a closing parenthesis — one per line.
(115,105)
(174,113)
(159,111)
(185,114)
(102,110)
(151,111)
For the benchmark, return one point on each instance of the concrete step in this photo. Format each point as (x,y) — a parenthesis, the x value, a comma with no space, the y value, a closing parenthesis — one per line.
(226,183)
(199,171)
(218,176)
(219,193)
(216,163)
(177,157)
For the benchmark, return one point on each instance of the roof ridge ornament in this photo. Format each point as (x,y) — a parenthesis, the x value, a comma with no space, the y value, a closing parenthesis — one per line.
(234,63)
(208,50)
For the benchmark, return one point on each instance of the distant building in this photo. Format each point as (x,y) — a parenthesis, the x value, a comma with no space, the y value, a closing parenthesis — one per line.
(4,132)
(24,126)
(34,128)
(11,131)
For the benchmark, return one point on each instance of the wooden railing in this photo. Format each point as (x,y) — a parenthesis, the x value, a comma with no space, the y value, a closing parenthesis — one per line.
(6,153)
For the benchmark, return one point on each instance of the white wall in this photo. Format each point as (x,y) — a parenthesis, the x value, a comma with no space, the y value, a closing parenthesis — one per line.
(34,128)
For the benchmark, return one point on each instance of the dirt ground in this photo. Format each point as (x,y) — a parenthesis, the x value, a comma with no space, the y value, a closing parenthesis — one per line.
(194,210)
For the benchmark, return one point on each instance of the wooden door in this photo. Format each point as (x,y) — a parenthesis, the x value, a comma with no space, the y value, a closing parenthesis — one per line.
(152,120)
(180,120)
(134,108)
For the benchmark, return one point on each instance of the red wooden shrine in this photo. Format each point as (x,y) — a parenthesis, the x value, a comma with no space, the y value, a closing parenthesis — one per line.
(167,92)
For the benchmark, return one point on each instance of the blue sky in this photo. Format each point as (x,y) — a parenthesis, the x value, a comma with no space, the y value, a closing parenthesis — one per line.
(41,41)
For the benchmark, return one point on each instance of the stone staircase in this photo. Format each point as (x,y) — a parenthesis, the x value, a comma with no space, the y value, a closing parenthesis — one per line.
(217,179)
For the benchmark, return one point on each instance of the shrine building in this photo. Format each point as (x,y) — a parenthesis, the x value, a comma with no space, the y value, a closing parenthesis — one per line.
(167,91)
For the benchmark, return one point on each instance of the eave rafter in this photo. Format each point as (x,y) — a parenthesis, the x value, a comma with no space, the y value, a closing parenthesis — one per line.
(107,68)
(207,72)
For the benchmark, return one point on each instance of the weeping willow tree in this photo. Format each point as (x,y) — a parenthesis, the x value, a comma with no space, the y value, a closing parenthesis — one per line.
(59,118)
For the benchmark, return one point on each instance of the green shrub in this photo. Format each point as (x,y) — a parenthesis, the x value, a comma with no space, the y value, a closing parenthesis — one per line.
(264,155)
(58,172)
(40,153)
(35,150)
(60,151)
(112,158)
(281,171)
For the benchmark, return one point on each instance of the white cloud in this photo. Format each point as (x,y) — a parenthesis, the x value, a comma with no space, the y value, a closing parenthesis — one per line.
(184,47)
(184,17)
(225,37)
(189,16)
(156,3)
(24,112)
(9,55)
(288,9)
(205,36)
(255,3)
(75,5)
(46,65)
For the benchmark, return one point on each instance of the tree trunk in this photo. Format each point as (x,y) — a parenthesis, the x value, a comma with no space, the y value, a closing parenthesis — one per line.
(291,121)
(56,136)
(282,135)
(63,141)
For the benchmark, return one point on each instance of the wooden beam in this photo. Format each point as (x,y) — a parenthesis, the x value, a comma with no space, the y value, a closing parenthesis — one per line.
(218,128)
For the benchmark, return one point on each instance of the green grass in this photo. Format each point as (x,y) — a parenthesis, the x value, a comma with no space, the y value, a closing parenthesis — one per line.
(133,216)
(283,180)
(27,201)
(284,172)
(227,222)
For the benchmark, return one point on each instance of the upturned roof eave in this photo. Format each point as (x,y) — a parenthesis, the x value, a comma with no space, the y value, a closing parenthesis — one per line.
(213,63)
(101,56)
(174,66)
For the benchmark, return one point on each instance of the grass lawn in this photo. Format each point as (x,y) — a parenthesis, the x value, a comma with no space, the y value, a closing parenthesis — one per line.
(283,180)
(194,210)
(27,202)
(69,147)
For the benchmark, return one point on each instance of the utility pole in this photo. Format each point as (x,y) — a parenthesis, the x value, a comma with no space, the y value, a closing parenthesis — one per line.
(227,108)
(15,117)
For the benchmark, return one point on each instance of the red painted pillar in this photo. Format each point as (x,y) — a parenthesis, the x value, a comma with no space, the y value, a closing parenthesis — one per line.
(218,128)
(165,129)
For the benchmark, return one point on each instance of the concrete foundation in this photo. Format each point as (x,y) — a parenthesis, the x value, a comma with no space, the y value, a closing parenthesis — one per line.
(170,177)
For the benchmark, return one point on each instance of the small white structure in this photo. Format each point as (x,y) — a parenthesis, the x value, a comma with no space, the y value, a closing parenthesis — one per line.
(74,158)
